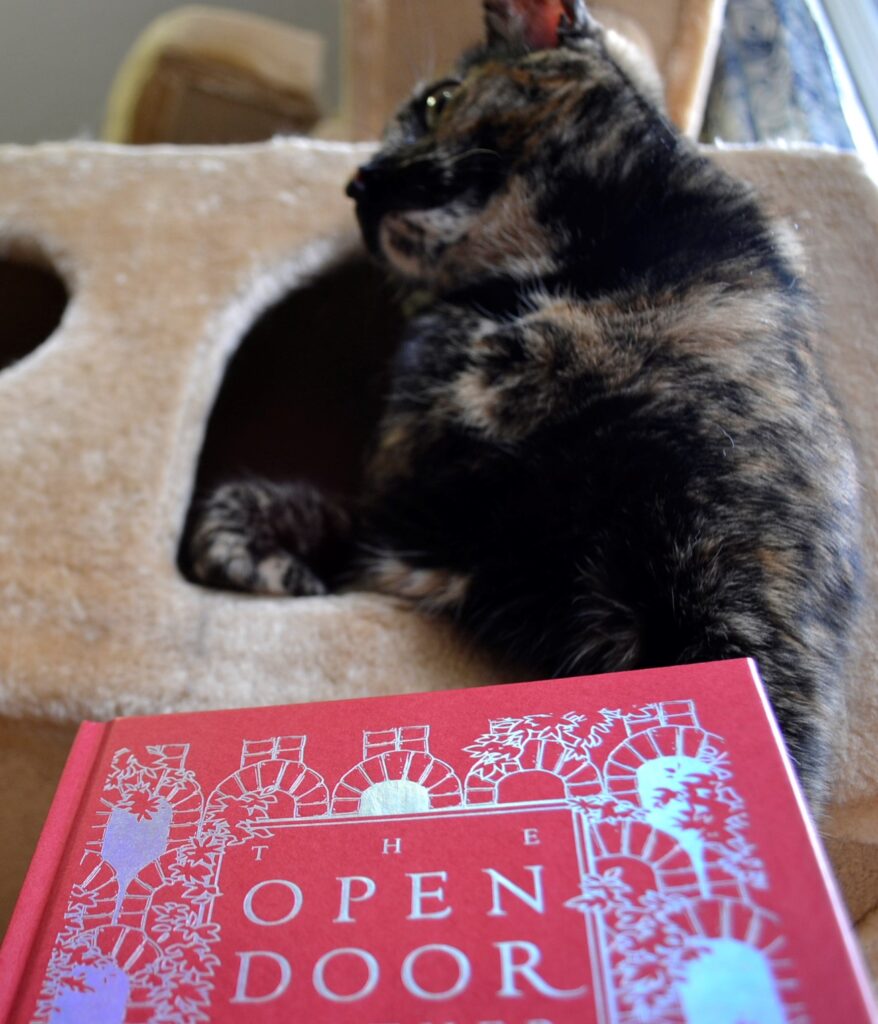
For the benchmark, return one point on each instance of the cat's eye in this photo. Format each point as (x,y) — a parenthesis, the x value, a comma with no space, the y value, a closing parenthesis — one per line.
(436,100)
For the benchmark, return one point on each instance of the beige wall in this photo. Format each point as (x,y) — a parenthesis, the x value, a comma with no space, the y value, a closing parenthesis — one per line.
(58,57)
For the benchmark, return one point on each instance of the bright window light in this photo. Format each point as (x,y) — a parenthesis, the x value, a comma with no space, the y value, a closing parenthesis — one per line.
(850,29)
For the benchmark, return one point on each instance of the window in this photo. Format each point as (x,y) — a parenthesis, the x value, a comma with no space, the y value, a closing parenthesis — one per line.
(850,29)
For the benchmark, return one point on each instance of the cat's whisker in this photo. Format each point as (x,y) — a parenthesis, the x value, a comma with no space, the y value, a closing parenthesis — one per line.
(468,154)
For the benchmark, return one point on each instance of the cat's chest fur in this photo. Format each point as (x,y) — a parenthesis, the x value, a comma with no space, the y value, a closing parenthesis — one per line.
(503,374)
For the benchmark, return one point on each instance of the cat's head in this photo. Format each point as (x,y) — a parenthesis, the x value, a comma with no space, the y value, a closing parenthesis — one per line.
(460,187)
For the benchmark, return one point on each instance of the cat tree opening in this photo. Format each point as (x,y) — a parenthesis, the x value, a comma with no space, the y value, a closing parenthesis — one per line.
(33,298)
(302,394)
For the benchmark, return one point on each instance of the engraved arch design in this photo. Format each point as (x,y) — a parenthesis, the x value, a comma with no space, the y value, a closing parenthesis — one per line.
(301,791)
(128,948)
(187,804)
(183,881)
(720,880)
(174,784)
(579,775)
(436,777)
(530,784)
(719,918)
(715,918)
(140,893)
(620,770)
(94,893)
(614,842)
(668,712)
(274,748)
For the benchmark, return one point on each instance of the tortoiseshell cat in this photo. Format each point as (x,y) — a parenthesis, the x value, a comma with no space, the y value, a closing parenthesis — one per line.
(607,444)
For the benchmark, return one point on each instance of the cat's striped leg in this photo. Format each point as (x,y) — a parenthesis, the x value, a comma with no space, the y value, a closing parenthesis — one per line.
(804,688)
(434,590)
(269,538)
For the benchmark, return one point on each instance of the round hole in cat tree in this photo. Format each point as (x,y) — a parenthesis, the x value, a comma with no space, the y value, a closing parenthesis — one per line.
(302,395)
(33,298)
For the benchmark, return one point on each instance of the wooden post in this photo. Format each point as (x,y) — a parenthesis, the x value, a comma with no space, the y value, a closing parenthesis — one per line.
(389,45)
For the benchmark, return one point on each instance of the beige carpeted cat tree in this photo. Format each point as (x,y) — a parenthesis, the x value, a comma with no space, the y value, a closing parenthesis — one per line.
(170,255)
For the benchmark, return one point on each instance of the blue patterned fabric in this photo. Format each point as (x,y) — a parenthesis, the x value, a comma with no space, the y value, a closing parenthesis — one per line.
(773,78)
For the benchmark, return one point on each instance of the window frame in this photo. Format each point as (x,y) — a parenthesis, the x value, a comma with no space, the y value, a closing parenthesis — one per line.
(850,33)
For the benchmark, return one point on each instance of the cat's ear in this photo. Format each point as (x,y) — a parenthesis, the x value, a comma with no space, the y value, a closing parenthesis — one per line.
(537,24)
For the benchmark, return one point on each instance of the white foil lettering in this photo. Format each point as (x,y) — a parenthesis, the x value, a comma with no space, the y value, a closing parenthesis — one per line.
(373,973)
(284,883)
(285,974)
(419,894)
(527,970)
(534,899)
(348,896)
(464,972)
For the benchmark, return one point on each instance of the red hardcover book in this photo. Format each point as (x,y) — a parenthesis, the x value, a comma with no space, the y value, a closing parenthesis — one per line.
(623,848)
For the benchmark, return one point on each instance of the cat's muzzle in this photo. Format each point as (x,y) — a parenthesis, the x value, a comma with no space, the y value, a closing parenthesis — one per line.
(357,186)
(362,189)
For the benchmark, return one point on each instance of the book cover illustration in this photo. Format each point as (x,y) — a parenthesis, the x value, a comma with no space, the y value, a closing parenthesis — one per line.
(576,859)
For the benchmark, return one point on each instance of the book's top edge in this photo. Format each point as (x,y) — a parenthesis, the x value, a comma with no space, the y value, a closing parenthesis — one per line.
(455,692)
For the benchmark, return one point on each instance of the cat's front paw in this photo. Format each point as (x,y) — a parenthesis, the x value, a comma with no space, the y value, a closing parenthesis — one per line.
(226,561)
(240,542)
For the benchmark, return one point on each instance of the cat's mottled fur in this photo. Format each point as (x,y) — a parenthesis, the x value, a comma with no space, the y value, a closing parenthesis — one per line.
(607,443)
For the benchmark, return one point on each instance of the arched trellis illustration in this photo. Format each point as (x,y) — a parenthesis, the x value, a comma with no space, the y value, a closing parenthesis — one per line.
(276,788)
(140,781)
(579,775)
(718,927)
(437,779)
(95,892)
(718,918)
(613,843)
(621,771)
(129,948)
(161,875)
(714,959)
(508,755)
(93,981)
